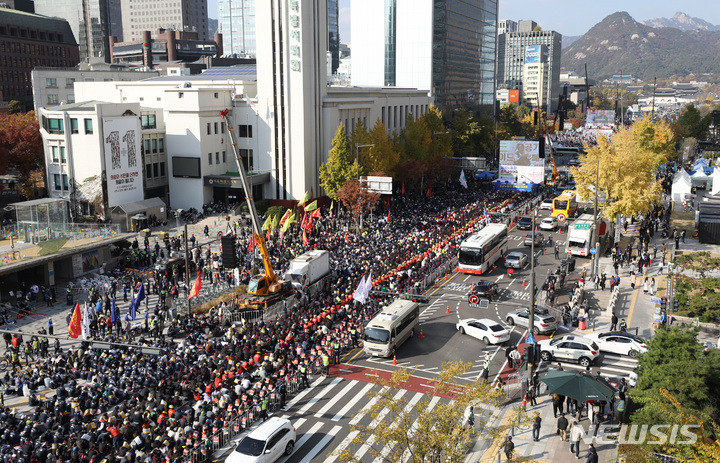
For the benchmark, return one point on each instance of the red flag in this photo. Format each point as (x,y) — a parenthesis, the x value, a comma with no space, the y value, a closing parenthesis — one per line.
(74,328)
(388,219)
(282,235)
(267,235)
(347,240)
(403,190)
(305,239)
(308,225)
(195,291)
(303,222)
(251,243)
(429,193)
(315,213)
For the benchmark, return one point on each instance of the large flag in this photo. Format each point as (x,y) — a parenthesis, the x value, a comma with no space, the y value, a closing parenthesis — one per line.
(113,312)
(388,217)
(463,182)
(304,199)
(403,189)
(367,287)
(315,214)
(331,208)
(195,291)
(288,222)
(74,328)
(135,303)
(359,294)
(485,212)
(285,216)
(311,207)
(305,238)
(85,326)
(267,223)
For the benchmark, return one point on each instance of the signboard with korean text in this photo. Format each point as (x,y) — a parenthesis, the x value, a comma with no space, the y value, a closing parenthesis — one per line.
(123,160)
(520,162)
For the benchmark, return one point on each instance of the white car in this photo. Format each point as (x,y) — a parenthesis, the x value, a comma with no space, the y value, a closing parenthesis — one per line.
(546,204)
(573,348)
(488,331)
(549,223)
(515,259)
(267,443)
(619,343)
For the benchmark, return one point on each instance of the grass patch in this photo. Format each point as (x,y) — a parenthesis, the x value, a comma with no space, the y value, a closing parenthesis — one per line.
(683,221)
(51,246)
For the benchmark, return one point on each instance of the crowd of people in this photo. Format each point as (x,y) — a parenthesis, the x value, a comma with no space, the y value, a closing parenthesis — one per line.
(120,405)
(574,139)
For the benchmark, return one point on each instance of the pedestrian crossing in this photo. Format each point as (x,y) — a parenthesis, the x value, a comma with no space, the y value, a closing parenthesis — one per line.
(611,366)
(324,414)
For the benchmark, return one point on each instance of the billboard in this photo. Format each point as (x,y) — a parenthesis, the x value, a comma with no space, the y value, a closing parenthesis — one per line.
(123,160)
(513,96)
(520,162)
(597,118)
(533,53)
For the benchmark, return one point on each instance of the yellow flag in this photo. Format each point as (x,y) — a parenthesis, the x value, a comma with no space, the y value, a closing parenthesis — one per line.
(267,223)
(311,207)
(304,199)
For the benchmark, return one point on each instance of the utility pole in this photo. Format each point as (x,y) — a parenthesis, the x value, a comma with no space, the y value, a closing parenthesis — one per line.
(595,231)
(531,317)
(187,268)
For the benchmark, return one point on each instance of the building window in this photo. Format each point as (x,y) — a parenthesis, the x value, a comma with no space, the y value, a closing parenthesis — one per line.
(210,158)
(52,99)
(65,185)
(217,95)
(57,180)
(154,145)
(161,145)
(224,157)
(54,150)
(88,127)
(69,82)
(216,128)
(71,98)
(245,131)
(63,159)
(146,145)
(148,121)
(156,170)
(148,170)
(247,159)
(51,82)
(209,128)
(222,127)
(56,126)
(162,169)
(217,157)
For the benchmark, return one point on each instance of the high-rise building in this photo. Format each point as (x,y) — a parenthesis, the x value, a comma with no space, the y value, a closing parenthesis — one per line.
(512,48)
(506,25)
(236,22)
(92,22)
(445,46)
(144,15)
(333,12)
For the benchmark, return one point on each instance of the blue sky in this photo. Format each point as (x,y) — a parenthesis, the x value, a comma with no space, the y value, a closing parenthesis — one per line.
(569,17)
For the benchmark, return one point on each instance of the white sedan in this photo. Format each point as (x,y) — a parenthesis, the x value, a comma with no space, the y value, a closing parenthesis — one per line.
(546,204)
(488,331)
(549,223)
(616,342)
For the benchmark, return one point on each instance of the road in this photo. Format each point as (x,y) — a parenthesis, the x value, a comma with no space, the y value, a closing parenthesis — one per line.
(324,414)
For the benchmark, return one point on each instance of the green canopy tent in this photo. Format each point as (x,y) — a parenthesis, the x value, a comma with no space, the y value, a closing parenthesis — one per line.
(578,385)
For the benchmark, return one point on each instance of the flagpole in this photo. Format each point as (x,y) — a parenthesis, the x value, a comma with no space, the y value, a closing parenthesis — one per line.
(187,268)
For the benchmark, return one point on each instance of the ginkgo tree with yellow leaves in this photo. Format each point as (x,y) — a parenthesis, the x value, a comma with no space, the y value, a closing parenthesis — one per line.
(627,165)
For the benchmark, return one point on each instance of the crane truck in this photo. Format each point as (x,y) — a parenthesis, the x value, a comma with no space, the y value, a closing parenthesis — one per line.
(264,289)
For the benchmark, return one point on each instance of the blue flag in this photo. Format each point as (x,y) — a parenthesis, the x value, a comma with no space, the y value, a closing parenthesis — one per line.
(113,313)
(135,303)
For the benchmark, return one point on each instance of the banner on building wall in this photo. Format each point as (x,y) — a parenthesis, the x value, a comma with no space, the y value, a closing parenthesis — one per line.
(123,160)
(513,96)
(520,162)
(599,118)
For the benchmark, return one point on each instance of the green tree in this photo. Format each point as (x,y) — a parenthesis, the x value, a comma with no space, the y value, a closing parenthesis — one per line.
(359,137)
(414,141)
(340,166)
(627,167)
(422,433)
(14,107)
(700,262)
(692,123)
(382,157)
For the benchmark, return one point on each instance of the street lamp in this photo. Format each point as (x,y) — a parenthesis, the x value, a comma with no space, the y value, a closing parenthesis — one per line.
(357,156)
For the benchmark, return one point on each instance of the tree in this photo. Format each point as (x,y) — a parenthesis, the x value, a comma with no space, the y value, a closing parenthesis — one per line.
(700,262)
(358,199)
(360,136)
(627,168)
(419,433)
(383,156)
(340,165)
(692,123)
(14,107)
(21,147)
(414,141)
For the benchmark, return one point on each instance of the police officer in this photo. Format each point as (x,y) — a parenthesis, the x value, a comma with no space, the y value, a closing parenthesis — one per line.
(303,376)
(263,409)
(336,351)
(326,363)
(353,337)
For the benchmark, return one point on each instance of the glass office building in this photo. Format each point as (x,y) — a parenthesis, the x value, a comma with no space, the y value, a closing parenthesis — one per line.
(333,12)
(237,25)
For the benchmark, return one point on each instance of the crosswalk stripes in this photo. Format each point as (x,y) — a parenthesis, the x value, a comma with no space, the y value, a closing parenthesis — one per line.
(609,365)
(323,418)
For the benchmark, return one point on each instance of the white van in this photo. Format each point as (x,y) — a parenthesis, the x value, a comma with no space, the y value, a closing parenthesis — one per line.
(391,327)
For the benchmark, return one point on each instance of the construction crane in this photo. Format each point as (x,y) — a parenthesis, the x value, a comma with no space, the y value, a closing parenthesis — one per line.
(264,289)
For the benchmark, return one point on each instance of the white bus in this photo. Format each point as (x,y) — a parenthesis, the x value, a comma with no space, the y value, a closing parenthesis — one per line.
(391,327)
(479,252)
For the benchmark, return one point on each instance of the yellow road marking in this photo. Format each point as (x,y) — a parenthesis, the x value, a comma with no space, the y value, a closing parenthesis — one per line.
(632,305)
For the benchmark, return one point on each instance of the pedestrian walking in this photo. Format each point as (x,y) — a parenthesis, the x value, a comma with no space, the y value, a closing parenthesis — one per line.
(682,236)
(562,425)
(557,252)
(646,285)
(660,267)
(470,418)
(537,421)
(557,404)
(613,322)
(633,279)
(576,434)
(508,447)
(515,358)
(50,326)
(652,286)
(592,456)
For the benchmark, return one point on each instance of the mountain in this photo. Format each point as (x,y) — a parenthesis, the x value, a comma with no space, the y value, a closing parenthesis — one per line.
(569,40)
(620,44)
(683,22)
(212,27)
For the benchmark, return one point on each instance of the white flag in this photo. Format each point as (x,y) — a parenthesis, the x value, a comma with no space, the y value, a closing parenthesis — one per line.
(85,325)
(463,182)
(367,287)
(359,294)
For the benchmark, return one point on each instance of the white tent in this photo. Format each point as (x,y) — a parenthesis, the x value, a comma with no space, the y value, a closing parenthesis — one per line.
(715,181)
(682,185)
(699,179)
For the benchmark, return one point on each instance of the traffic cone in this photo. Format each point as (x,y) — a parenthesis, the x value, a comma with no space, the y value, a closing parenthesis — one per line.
(524,402)
(536,228)
(524,283)
(448,309)
(394,359)
(421,334)
(559,231)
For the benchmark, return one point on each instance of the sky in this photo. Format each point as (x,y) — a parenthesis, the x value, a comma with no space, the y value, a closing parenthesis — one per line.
(568,18)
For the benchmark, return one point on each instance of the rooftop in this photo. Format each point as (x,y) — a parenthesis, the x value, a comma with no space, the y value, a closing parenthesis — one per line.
(37,21)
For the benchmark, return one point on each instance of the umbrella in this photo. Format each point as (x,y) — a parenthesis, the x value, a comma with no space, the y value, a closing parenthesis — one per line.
(578,385)
(484,174)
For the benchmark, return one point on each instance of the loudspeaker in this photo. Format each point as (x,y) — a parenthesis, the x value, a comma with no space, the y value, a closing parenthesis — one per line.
(229,254)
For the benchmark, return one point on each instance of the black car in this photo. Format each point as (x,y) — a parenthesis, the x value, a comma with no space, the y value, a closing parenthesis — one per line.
(486,289)
(524,223)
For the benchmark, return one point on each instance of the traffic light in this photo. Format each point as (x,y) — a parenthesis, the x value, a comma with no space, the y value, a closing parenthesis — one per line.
(663,304)
(229,254)
(535,118)
(676,304)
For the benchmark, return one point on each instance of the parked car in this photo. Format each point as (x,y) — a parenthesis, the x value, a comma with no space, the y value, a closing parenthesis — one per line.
(524,223)
(486,289)
(617,342)
(488,331)
(547,204)
(266,443)
(515,259)
(549,224)
(542,323)
(539,238)
(573,348)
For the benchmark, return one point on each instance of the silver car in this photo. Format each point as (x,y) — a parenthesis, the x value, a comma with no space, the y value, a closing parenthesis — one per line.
(515,259)
(542,324)
(573,348)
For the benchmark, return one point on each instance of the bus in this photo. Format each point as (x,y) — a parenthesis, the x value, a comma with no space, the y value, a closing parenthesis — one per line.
(394,325)
(565,205)
(479,252)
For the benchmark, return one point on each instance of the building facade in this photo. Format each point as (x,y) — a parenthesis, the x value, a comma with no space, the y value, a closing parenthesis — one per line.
(511,60)
(146,15)
(163,46)
(426,45)
(28,41)
(236,23)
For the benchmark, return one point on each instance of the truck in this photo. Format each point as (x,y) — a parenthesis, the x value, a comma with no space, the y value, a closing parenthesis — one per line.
(309,268)
(580,235)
